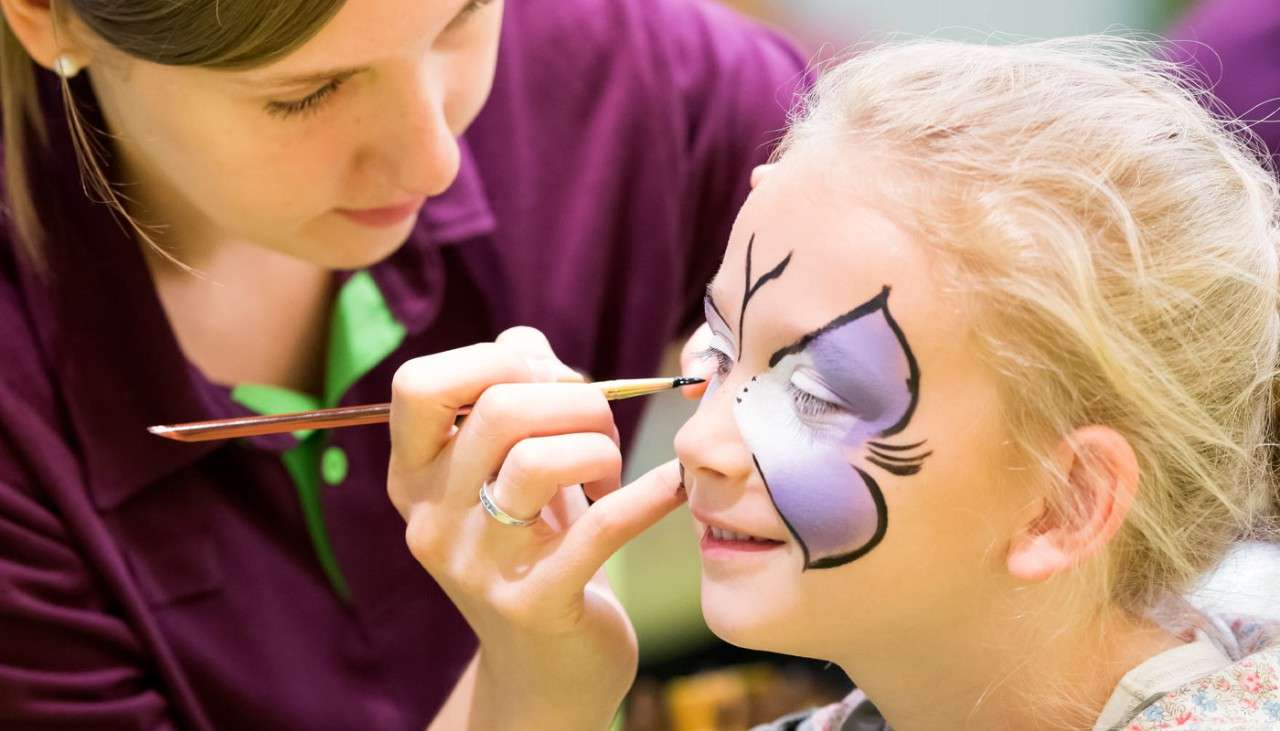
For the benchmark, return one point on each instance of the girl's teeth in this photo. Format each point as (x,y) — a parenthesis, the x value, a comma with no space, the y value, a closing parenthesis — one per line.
(720,534)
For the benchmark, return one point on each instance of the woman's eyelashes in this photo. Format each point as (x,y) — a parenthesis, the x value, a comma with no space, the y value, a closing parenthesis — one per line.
(309,103)
(471,9)
(312,101)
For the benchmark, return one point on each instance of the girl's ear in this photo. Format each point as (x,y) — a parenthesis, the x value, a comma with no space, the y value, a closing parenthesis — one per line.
(1101,472)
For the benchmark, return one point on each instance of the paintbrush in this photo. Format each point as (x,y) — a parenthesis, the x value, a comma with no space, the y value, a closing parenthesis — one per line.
(252,426)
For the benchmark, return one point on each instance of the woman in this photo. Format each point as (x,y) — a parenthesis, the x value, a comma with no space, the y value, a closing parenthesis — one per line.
(286,201)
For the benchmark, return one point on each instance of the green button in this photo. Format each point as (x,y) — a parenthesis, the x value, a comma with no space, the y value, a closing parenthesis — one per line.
(333,465)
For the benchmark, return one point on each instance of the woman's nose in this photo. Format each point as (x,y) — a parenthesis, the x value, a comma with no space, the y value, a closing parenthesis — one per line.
(423,152)
(709,445)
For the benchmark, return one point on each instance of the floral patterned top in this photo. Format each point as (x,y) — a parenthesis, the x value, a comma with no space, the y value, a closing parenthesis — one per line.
(1239,691)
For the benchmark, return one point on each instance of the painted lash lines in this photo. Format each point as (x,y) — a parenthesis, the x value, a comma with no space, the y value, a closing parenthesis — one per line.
(834,509)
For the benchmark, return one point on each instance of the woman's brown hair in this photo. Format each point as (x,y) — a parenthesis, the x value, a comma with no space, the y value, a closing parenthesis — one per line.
(227,34)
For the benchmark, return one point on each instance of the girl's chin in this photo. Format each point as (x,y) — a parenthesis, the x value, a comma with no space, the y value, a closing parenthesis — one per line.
(748,618)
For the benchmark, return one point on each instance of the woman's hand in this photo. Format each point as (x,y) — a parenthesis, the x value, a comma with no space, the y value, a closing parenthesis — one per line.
(556,648)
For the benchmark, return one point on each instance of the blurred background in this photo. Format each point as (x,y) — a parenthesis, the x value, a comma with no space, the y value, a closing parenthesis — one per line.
(689,680)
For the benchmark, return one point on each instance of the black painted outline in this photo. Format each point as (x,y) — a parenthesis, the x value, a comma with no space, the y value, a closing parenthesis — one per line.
(882,523)
(896,465)
(749,290)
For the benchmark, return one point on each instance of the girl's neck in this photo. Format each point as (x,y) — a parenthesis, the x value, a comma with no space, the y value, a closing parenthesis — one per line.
(1006,676)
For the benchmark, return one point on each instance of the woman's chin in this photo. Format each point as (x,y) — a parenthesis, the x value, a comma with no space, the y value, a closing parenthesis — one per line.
(346,247)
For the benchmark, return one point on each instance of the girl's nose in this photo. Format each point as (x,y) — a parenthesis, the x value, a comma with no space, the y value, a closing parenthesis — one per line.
(709,445)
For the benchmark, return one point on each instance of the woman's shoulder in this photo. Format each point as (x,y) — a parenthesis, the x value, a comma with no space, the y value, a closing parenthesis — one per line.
(581,42)
(26,380)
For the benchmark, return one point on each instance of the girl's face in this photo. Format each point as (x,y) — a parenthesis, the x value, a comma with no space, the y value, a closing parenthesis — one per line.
(849,431)
(325,155)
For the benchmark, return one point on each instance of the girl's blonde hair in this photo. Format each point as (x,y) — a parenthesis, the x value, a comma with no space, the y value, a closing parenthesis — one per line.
(1118,243)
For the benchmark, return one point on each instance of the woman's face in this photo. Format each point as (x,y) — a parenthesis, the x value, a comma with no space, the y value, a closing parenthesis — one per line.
(325,155)
(849,430)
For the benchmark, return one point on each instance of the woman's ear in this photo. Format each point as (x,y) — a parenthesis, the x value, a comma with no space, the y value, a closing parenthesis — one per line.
(1101,480)
(33,24)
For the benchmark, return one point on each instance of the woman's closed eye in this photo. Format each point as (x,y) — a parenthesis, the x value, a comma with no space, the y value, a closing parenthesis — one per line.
(308,103)
(285,109)
(471,8)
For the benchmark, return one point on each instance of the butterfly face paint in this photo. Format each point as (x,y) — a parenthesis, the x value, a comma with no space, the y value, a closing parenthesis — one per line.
(826,403)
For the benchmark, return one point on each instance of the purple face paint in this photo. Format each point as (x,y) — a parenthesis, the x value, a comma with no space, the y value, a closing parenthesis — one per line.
(810,416)
(825,400)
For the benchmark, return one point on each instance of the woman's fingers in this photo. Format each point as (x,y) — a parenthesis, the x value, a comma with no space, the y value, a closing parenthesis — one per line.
(511,412)
(427,392)
(692,364)
(612,521)
(534,346)
(537,468)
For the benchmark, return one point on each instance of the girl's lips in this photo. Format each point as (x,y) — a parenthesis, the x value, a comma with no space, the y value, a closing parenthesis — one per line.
(382,217)
(712,545)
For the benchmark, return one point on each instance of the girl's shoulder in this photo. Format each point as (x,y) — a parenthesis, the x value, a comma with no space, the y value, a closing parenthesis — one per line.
(1243,695)
(854,713)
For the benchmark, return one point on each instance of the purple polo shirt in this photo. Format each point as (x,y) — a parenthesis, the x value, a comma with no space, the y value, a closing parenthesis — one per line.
(1235,46)
(145,583)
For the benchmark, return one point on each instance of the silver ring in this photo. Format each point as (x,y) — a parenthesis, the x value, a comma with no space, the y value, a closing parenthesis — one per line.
(497,513)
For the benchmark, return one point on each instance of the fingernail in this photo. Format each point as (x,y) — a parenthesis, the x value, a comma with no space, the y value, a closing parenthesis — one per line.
(545,369)
(565,373)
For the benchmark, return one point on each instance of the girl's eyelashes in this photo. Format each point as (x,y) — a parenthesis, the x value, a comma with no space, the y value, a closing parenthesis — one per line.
(810,406)
(308,103)
(724,363)
(812,397)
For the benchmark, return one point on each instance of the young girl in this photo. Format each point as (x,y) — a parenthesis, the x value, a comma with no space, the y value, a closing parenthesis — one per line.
(996,347)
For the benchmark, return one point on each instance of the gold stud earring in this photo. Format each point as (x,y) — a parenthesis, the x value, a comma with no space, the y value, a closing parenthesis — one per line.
(66,66)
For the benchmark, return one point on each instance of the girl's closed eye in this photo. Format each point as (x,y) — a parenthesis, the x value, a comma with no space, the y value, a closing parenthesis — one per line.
(812,399)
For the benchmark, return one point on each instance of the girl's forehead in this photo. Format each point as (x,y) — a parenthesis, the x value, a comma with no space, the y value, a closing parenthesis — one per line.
(841,250)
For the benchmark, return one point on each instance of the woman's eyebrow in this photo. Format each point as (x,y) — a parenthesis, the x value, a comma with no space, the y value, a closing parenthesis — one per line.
(317,77)
(310,78)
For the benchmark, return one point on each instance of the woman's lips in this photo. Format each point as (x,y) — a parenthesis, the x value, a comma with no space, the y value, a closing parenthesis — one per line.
(385,216)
